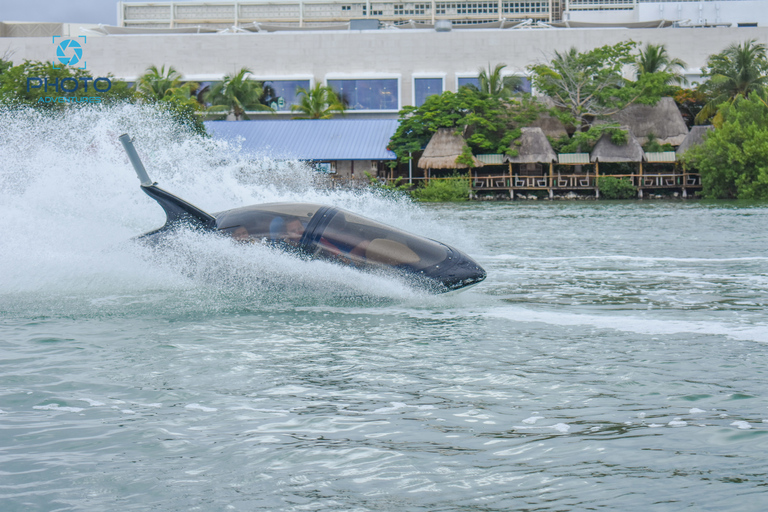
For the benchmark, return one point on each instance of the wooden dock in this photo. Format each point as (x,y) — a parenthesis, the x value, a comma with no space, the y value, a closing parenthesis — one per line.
(686,184)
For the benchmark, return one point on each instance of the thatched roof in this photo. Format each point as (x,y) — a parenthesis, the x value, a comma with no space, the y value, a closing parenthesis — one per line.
(694,138)
(607,151)
(551,126)
(534,148)
(442,151)
(662,120)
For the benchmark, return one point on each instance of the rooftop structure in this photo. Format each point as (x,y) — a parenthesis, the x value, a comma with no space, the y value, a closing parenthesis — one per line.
(330,12)
(252,15)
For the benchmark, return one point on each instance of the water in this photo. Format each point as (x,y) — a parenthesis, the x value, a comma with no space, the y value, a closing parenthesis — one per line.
(615,358)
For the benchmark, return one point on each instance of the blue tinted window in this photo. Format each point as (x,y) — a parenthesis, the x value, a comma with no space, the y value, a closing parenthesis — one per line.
(525,85)
(369,94)
(469,80)
(425,87)
(282,93)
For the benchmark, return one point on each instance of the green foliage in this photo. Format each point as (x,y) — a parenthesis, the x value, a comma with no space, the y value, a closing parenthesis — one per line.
(13,86)
(689,103)
(616,188)
(653,145)
(156,84)
(466,157)
(185,111)
(733,160)
(492,123)
(583,142)
(396,186)
(164,88)
(493,83)
(737,71)
(454,189)
(237,94)
(319,102)
(654,59)
(589,85)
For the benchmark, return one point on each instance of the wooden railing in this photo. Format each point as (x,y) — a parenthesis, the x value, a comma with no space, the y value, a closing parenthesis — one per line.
(554,183)
(575,181)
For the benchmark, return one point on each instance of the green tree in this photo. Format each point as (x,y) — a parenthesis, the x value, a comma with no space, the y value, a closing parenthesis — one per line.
(583,142)
(589,85)
(654,58)
(493,83)
(733,160)
(319,102)
(492,123)
(689,102)
(164,88)
(236,95)
(157,84)
(735,72)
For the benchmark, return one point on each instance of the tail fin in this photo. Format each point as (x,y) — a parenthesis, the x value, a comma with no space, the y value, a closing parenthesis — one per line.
(176,209)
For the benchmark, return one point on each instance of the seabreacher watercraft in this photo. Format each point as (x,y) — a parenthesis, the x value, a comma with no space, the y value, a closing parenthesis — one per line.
(319,231)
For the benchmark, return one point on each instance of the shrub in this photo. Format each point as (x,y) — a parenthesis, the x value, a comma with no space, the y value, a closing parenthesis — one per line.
(616,188)
(732,159)
(444,190)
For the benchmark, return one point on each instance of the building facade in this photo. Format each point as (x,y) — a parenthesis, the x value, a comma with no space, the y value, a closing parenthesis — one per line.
(377,71)
(316,13)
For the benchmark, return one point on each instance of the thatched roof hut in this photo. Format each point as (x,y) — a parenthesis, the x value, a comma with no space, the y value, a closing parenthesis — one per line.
(443,149)
(551,126)
(534,148)
(662,120)
(694,138)
(607,151)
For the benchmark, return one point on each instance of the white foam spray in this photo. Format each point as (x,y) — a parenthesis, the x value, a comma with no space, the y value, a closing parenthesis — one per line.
(70,204)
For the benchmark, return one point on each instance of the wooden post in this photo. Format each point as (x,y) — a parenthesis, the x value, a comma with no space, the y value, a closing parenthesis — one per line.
(597,179)
(551,180)
(640,181)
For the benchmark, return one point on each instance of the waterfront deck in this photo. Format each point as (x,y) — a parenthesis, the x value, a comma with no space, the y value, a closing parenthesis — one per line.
(512,186)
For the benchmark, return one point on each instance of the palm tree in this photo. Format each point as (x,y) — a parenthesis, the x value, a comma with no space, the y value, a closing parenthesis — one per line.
(319,102)
(738,71)
(655,59)
(493,83)
(157,84)
(236,95)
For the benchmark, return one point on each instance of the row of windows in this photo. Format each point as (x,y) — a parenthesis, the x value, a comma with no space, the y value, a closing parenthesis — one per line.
(417,9)
(366,94)
(290,10)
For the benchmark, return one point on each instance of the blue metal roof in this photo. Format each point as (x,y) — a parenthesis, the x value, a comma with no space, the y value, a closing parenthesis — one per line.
(311,139)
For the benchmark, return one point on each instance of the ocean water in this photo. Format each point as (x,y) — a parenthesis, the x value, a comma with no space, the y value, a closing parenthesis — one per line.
(615,358)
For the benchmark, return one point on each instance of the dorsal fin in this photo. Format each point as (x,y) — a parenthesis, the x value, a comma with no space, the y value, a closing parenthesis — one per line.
(176,209)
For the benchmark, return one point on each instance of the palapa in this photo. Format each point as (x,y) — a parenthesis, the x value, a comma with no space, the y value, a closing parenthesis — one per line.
(607,151)
(662,120)
(694,138)
(443,149)
(534,148)
(551,126)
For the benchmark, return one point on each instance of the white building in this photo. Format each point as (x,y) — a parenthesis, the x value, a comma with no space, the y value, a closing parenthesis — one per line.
(313,13)
(378,69)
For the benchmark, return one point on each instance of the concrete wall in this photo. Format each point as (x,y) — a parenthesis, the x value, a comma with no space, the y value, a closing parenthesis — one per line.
(366,54)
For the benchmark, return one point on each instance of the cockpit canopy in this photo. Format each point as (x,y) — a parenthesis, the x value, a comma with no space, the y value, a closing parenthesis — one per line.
(332,233)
